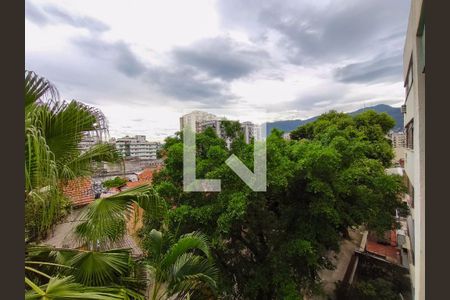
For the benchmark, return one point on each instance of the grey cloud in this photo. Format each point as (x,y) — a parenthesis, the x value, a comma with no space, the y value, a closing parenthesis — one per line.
(35,14)
(375,70)
(314,32)
(322,98)
(118,53)
(183,83)
(187,84)
(51,14)
(222,57)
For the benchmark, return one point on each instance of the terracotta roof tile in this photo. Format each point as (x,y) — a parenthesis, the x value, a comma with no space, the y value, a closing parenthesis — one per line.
(146,175)
(79,191)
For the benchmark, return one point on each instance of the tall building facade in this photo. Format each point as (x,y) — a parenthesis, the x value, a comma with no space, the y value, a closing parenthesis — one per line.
(137,146)
(414,122)
(398,139)
(198,121)
(398,143)
(192,119)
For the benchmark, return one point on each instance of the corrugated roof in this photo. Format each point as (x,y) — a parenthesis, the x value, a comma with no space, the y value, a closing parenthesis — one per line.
(390,252)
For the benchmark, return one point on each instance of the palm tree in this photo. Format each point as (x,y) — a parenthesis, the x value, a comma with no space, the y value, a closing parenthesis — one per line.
(180,269)
(53,131)
(113,272)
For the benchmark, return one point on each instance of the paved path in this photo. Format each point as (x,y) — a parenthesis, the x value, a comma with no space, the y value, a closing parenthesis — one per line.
(62,235)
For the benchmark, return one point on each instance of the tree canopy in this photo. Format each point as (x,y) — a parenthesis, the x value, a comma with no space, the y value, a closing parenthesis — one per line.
(271,245)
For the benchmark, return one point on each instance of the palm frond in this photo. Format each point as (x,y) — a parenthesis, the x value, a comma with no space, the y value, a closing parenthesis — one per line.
(106,217)
(105,220)
(100,268)
(40,164)
(37,87)
(188,242)
(190,272)
(66,124)
(66,288)
(155,244)
(81,164)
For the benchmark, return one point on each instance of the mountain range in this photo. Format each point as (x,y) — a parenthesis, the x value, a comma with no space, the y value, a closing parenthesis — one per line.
(289,125)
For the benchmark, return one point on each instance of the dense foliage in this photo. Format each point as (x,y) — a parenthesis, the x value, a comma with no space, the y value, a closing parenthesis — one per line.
(271,245)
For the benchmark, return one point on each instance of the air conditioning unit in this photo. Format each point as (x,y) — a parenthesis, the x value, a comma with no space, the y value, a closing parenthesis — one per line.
(403,109)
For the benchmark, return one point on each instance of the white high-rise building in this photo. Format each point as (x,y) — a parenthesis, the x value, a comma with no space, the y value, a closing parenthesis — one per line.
(137,146)
(251,131)
(198,121)
(398,139)
(414,121)
(192,119)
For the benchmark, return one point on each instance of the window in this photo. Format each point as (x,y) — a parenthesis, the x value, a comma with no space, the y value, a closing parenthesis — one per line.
(421,44)
(409,128)
(409,78)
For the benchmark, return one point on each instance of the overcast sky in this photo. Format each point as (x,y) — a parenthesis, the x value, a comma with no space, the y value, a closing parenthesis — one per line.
(144,63)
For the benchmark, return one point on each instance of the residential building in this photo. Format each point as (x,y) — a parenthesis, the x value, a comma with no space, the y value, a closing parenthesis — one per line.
(414,121)
(250,131)
(199,121)
(398,139)
(398,143)
(214,124)
(192,119)
(137,146)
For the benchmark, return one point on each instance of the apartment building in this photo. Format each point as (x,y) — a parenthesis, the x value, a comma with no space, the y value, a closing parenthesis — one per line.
(250,131)
(414,121)
(192,119)
(137,146)
(398,143)
(398,139)
(199,121)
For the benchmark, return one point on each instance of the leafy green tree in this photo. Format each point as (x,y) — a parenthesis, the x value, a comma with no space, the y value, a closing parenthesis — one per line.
(271,245)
